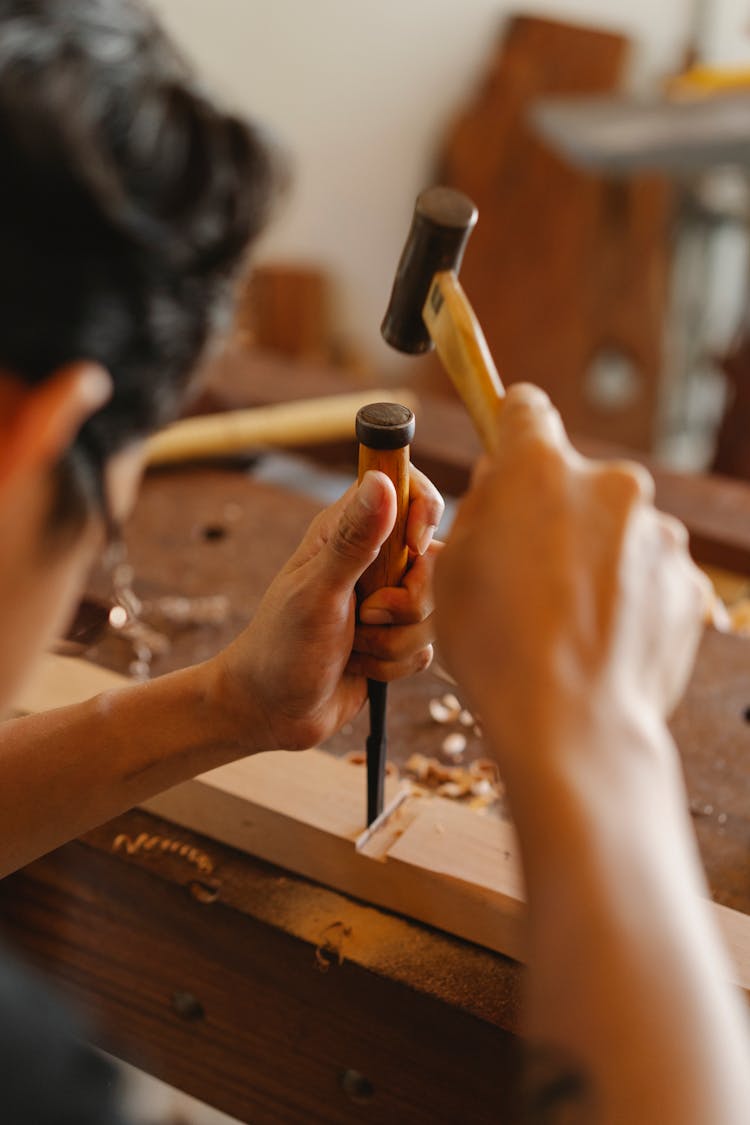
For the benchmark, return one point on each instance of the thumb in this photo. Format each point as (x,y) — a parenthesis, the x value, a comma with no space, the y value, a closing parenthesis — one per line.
(364,523)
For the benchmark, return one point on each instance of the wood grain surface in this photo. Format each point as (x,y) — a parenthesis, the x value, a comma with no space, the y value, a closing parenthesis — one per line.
(435,860)
(271,1028)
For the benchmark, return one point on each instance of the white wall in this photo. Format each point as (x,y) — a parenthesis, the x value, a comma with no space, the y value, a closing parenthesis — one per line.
(728,32)
(361,91)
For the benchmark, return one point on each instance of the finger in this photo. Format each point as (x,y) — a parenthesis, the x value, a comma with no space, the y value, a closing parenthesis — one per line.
(409,603)
(712,609)
(388,670)
(673,532)
(482,469)
(631,474)
(364,523)
(527,415)
(426,507)
(393,642)
(692,596)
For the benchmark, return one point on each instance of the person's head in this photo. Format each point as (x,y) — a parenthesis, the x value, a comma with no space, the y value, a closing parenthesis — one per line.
(127,202)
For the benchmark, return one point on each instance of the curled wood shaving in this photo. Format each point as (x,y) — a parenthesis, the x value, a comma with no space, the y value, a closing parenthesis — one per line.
(330,948)
(144,842)
(478,780)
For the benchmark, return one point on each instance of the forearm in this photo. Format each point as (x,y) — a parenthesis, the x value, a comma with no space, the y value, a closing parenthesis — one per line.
(64,771)
(627,987)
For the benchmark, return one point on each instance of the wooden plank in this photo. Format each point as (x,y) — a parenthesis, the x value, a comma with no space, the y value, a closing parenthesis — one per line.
(441,863)
(438,862)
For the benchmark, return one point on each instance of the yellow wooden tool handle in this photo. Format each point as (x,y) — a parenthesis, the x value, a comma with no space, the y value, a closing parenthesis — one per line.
(385,430)
(460,343)
(304,422)
(390,565)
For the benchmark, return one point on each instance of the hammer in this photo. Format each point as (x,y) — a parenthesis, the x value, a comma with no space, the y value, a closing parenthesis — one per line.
(429,308)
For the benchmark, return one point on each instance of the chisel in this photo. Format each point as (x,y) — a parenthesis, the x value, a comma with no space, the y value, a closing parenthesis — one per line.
(385,430)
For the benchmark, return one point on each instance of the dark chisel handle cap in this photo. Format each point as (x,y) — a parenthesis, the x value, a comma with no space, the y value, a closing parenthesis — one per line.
(385,425)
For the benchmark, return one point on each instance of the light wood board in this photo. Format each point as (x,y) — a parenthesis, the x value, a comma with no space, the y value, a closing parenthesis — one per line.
(436,862)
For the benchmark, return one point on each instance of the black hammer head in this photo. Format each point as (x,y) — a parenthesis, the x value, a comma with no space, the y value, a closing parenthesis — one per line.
(443,220)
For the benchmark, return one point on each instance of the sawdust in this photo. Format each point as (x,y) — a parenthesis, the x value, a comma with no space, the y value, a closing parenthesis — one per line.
(447,968)
(330,949)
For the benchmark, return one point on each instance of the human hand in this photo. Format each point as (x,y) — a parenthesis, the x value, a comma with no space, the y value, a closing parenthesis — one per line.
(299,670)
(563,597)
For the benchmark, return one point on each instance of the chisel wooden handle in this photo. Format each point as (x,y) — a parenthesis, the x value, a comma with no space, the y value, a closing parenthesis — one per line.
(385,431)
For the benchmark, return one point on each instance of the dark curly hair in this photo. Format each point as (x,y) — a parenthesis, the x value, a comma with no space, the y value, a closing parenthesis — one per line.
(127,201)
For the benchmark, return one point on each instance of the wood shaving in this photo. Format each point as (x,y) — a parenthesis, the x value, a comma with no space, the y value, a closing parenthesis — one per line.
(144,842)
(359,758)
(445,710)
(439,713)
(330,948)
(486,767)
(466,719)
(478,780)
(454,745)
(454,789)
(739,616)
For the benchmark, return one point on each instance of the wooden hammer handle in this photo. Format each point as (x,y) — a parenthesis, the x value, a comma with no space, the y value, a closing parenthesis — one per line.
(463,350)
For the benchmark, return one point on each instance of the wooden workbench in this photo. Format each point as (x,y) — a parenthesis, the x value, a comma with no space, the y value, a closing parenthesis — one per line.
(268,996)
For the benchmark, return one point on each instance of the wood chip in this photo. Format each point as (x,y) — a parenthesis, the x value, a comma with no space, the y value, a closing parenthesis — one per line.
(454,789)
(445,710)
(439,713)
(454,745)
(479,781)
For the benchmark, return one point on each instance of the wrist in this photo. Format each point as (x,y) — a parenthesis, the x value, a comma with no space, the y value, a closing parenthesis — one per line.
(236,713)
(596,754)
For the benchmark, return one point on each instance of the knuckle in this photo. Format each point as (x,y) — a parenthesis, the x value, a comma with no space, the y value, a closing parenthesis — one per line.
(625,482)
(349,538)
(674,533)
(634,479)
(527,397)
